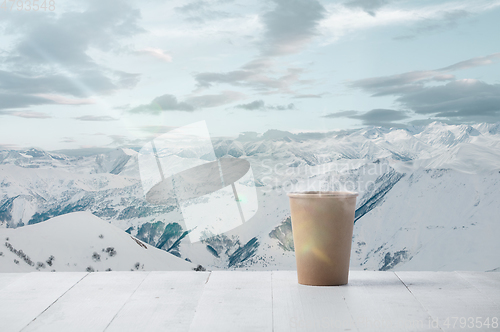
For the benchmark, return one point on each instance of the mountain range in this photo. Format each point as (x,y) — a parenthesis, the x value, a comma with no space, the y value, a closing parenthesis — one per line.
(428,200)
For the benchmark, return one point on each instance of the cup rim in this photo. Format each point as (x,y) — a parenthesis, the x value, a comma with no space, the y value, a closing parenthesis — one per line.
(307,194)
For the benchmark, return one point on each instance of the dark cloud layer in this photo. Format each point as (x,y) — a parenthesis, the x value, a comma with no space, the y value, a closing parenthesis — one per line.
(49,53)
(96,118)
(20,100)
(288,28)
(308,96)
(381,117)
(163,103)
(291,25)
(256,76)
(214,100)
(261,106)
(254,105)
(342,114)
(369,6)
(457,100)
(462,100)
(376,117)
(169,102)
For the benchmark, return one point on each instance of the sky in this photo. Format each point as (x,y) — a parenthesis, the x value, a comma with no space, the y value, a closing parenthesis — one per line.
(87,74)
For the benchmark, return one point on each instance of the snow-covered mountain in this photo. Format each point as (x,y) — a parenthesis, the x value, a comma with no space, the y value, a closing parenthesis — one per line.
(428,195)
(80,241)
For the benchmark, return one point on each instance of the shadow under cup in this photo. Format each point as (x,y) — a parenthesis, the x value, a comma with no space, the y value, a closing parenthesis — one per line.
(322,224)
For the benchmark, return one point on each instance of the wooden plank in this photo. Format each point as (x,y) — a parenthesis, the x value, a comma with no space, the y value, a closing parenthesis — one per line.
(379,301)
(91,304)
(27,297)
(308,308)
(235,301)
(488,283)
(164,301)
(454,303)
(246,301)
(372,301)
(8,278)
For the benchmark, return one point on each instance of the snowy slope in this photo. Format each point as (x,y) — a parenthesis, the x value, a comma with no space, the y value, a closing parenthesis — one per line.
(424,191)
(80,241)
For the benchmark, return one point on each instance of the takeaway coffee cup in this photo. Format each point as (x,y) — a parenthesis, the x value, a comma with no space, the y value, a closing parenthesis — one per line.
(322,223)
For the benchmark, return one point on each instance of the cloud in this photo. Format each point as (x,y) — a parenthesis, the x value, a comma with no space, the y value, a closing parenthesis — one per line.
(157,53)
(157,129)
(49,53)
(308,96)
(287,107)
(9,147)
(421,122)
(214,100)
(260,105)
(256,76)
(341,20)
(369,6)
(65,39)
(31,115)
(22,90)
(456,100)
(26,114)
(414,81)
(67,140)
(342,114)
(254,105)
(376,117)
(466,100)
(118,139)
(169,102)
(123,107)
(165,102)
(381,117)
(61,100)
(200,11)
(474,62)
(448,20)
(95,118)
(20,100)
(290,26)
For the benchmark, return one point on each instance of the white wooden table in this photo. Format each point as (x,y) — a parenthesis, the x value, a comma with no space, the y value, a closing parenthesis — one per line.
(248,301)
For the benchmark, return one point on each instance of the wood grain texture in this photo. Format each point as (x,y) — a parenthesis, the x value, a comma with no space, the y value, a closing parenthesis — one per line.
(91,304)
(379,301)
(165,301)
(27,297)
(448,298)
(235,301)
(308,308)
(246,301)
(8,278)
(487,283)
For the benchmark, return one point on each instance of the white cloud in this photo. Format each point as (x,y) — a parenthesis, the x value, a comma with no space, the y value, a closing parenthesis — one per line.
(31,115)
(245,25)
(67,101)
(157,53)
(342,20)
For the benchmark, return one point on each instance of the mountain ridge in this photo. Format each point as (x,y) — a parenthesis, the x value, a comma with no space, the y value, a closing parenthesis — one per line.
(386,166)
